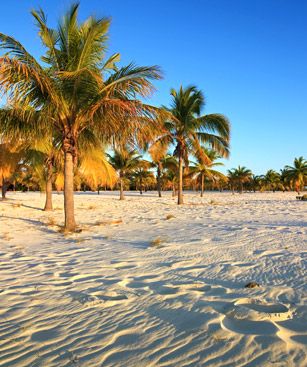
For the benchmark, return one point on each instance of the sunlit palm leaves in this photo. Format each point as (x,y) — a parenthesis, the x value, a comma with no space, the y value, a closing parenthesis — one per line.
(76,86)
(188,130)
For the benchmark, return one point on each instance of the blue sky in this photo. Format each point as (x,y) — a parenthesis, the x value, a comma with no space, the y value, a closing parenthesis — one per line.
(248,56)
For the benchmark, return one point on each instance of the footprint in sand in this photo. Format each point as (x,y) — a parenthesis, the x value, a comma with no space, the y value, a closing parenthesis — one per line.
(195,287)
(254,317)
(45,335)
(122,265)
(97,298)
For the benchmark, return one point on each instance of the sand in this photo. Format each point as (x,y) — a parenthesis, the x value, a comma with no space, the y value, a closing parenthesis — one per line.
(148,283)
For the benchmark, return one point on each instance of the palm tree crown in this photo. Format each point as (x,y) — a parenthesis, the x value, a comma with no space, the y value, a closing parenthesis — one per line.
(239,176)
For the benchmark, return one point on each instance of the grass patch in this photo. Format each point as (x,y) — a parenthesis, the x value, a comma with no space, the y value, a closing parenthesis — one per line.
(169,216)
(213,202)
(66,233)
(157,243)
(6,236)
(90,207)
(51,222)
(108,222)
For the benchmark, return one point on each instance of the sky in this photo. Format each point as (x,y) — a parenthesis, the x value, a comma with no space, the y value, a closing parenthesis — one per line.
(249,57)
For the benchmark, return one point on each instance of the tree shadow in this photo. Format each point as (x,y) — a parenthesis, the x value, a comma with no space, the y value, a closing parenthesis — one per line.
(32,207)
(36,223)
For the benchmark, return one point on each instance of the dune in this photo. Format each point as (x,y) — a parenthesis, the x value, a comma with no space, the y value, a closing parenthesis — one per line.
(149,283)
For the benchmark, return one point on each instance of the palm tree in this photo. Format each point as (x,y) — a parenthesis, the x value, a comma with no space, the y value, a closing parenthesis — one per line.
(43,161)
(239,176)
(78,89)
(157,152)
(201,170)
(142,177)
(186,128)
(284,181)
(255,182)
(271,180)
(44,153)
(297,174)
(10,162)
(124,162)
(169,177)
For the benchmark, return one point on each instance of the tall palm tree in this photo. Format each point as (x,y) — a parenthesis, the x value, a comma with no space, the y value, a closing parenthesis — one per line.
(297,174)
(78,88)
(201,170)
(239,176)
(124,162)
(187,129)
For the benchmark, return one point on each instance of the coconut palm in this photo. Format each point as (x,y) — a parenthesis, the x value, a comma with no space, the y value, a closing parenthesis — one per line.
(157,152)
(186,128)
(238,177)
(124,161)
(271,180)
(10,163)
(44,152)
(297,174)
(78,88)
(284,180)
(201,170)
(169,178)
(142,177)
(255,183)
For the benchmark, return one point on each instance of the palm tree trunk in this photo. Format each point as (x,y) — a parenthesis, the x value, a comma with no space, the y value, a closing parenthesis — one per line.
(241,187)
(4,188)
(121,195)
(180,193)
(141,186)
(70,223)
(48,203)
(159,179)
(202,185)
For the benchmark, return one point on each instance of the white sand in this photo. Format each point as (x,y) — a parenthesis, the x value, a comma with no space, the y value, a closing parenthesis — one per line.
(105,297)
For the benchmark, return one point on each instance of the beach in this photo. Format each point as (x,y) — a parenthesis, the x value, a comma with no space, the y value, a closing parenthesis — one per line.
(150,283)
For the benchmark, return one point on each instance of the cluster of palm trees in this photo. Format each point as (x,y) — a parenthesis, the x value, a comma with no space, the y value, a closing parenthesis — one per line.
(290,178)
(66,113)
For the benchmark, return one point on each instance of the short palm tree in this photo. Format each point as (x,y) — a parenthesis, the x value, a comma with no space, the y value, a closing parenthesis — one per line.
(44,154)
(255,182)
(157,152)
(142,177)
(201,170)
(271,180)
(10,162)
(124,161)
(169,177)
(187,129)
(297,174)
(78,88)
(238,177)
